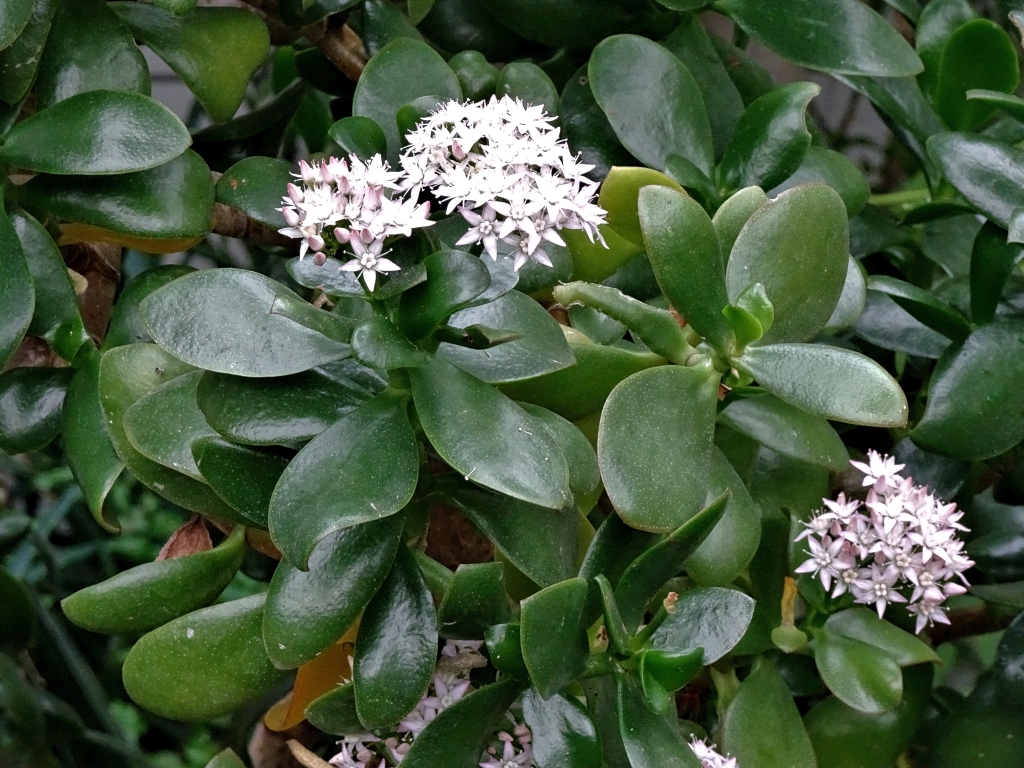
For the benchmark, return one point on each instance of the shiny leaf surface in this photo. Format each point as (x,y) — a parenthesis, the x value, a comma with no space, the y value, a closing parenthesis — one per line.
(563,732)
(31,400)
(475,601)
(711,618)
(554,635)
(860,675)
(244,477)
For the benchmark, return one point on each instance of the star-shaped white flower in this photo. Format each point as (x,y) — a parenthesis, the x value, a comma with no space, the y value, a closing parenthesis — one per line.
(368,261)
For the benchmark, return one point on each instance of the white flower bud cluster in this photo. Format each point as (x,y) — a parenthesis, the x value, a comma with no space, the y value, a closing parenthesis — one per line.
(508,172)
(350,202)
(708,757)
(901,540)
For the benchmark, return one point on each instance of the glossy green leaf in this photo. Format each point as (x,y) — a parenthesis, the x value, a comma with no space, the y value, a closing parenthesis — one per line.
(588,131)
(989,173)
(615,545)
(690,272)
(731,545)
(173,202)
(477,76)
(87,445)
(537,541)
(17,618)
(787,429)
(654,445)
(584,472)
(863,624)
(377,343)
(620,639)
(992,262)
(328,277)
(974,406)
(150,595)
(886,324)
(841,36)
(460,416)
(762,727)
(1008,103)
(563,732)
(554,635)
(652,101)
(542,348)
(359,136)
(19,61)
(16,16)
(796,247)
(402,71)
(31,400)
(89,49)
(244,477)
(475,601)
(459,734)
(650,570)
(335,712)
(526,81)
(650,740)
(710,618)
(204,664)
(126,375)
(733,214)
(363,468)
(770,140)
(667,671)
(835,169)
(17,294)
(862,676)
(602,701)
(253,186)
(226,759)
(56,317)
(938,21)
(162,424)
(396,647)
(308,611)
(979,54)
(96,133)
(923,306)
(620,194)
(453,280)
(232,321)
(302,12)
(847,386)
(505,650)
(851,301)
(213,50)
(285,409)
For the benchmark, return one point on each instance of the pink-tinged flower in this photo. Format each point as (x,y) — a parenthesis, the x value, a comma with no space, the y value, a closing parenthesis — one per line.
(880,472)
(876,585)
(484,230)
(368,261)
(709,758)
(445,693)
(927,614)
(510,756)
(827,560)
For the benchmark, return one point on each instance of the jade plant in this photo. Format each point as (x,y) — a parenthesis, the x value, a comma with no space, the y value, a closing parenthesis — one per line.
(538,384)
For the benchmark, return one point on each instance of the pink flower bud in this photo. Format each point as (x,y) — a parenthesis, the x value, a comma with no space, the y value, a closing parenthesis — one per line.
(458,151)
(342,235)
(316,242)
(309,174)
(295,193)
(319,259)
(291,216)
(325,173)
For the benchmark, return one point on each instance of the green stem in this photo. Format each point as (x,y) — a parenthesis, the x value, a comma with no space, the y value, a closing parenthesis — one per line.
(906,197)
(667,608)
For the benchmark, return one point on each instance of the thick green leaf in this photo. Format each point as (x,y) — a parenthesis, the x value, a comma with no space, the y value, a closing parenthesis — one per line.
(975,408)
(923,306)
(652,101)
(15,18)
(1008,103)
(862,676)
(588,131)
(150,595)
(770,140)
(286,409)
(226,759)
(979,54)
(762,727)
(828,381)
(363,468)
(378,344)
(56,317)
(620,193)
(650,740)
(992,262)
(17,294)
(308,611)
(359,136)
(335,712)
(302,12)
(244,477)
(886,324)
(863,624)
(835,169)
(328,277)
(204,664)
(396,647)
(171,203)
(460,416)
(459,734)
(31,400)
(475,601)
(938,21)
(453,280)
(796,246)
(17,616)
(563,733)
(253,186)
(989,173)
(542,349)
(477,76)
(851,302)
(19,62)
(526,81)
(654,445)
(711,618)
(841,36)
(505,650)
(87,446)
(163,424)
(554,635)
(89,49)
(232,321)
(733,214)
(648,572)
(213,50)
(690,271)
(402,71)
(97,133)
(731,545)
(537,541)
(584,472)
(787,429)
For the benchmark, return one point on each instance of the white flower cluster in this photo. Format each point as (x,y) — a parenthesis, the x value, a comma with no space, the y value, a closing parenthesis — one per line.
(350,202)
(902,539)
(507,170)
(708,757)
